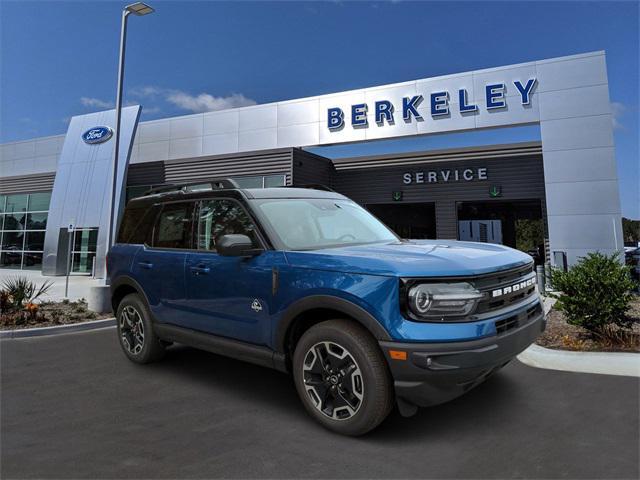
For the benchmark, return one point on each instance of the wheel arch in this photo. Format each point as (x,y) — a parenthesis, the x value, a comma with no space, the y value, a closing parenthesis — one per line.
(306,312)
(123,287)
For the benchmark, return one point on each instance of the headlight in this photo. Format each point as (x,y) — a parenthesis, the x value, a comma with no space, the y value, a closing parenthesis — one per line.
(437,300)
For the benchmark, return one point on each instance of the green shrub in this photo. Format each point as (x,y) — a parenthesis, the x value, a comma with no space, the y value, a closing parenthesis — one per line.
(595,292)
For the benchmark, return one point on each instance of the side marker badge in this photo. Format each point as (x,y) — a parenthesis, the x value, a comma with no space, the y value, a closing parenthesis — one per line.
(256,306)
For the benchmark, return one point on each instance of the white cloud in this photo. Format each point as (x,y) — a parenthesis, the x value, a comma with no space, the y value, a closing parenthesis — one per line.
(205,102)
(151,110)
(617,110)
(95,103)
(146,91)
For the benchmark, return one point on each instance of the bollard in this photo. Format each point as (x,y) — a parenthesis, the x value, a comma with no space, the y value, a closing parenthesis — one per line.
(547,275)
(99,299)
(541,279)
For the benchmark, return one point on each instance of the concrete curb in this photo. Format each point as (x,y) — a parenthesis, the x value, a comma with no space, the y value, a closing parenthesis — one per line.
(607,363)
(58,329)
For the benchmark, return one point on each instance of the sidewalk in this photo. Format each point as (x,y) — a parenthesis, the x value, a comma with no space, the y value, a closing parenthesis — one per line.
(79,285)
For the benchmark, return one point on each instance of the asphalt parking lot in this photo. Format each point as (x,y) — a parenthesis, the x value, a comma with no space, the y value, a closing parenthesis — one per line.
(73,406)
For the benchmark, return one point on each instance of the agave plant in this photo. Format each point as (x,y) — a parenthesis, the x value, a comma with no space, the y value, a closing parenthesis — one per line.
(22,291)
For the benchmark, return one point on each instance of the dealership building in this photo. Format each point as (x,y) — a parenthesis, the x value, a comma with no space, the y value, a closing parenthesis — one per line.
(556,198)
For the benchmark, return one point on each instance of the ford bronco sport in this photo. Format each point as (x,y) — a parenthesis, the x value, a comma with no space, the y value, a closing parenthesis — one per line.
(306,281)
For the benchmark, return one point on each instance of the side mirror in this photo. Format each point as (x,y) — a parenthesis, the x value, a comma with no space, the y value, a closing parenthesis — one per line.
(236,245)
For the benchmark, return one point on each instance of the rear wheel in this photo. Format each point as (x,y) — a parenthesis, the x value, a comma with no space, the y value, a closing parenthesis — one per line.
(342,377)
(135,331)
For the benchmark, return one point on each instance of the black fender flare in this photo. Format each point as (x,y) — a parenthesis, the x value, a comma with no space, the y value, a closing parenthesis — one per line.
(129,282)
(330,302)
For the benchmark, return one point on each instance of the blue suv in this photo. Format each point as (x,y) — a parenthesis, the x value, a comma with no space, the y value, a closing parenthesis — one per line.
(306,281)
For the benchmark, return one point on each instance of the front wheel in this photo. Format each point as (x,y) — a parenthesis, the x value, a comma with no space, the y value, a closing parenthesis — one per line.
(342,378)
(135,331)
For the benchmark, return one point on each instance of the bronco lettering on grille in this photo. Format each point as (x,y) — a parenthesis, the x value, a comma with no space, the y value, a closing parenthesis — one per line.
(498,292)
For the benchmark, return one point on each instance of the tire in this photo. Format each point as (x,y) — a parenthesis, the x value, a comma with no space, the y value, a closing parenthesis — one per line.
(133,318)
(350,395)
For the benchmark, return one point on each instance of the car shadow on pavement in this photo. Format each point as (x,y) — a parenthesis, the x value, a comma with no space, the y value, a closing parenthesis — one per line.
(275,391)
(235,377)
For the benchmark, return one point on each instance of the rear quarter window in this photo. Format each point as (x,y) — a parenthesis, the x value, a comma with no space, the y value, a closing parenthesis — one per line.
(137,225)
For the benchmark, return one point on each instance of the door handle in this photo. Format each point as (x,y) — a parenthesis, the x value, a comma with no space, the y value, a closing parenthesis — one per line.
(147,265)
(200,270)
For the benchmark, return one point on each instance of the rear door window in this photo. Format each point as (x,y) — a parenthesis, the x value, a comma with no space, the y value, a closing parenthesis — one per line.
(174,226)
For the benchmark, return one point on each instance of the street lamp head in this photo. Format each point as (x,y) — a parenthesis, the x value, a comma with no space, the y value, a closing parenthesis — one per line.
(139,9)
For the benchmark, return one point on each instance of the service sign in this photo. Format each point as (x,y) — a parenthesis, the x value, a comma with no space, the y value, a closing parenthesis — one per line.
(97,135)
(445,176)
(440,104)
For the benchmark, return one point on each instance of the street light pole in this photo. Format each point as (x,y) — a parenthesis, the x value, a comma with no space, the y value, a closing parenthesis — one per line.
(114,179)
(137,9)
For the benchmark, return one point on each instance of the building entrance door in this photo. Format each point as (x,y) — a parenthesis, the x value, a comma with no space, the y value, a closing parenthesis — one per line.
(83,252)
(517,224)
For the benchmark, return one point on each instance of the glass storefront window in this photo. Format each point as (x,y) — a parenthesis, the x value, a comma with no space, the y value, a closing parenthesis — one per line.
(12,240)
(11,259)
(32,261)
(39,202)
(249,182)
(16,203)
(34,241)
(14,221)
(23,221)
(274,181)
(37,221)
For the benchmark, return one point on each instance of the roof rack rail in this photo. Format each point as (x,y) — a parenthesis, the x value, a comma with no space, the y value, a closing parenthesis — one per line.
(210,184)
(313,186)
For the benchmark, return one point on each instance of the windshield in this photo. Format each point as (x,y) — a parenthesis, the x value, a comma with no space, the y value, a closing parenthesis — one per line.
(312,223)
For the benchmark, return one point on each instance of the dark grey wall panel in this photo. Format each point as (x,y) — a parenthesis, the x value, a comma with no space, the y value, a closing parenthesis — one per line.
(309,168)
(150,173)
(267,162)
(255,163)
(446,219)
(466,153)
(41,182)
(520,178)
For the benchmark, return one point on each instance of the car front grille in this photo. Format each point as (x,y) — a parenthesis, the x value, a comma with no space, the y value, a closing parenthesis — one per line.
(503,289)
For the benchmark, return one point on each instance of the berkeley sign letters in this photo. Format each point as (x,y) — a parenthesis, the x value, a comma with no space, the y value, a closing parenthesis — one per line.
(384,110)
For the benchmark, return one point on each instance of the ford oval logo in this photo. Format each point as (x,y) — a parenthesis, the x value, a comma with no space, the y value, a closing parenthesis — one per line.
(97,135)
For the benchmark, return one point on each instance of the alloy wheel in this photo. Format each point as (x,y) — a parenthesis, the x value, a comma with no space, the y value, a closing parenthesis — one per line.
(333,380)
(132,330)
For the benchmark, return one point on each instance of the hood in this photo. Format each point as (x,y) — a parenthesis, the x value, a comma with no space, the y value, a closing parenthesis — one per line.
(413,258)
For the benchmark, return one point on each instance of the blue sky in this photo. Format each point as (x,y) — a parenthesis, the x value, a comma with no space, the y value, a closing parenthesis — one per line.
(58,59)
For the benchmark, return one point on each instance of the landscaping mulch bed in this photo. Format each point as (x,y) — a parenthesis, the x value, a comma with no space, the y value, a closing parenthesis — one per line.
(560,335)
(51,314)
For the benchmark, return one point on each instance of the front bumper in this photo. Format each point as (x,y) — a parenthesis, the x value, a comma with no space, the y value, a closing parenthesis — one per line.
(435,373)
